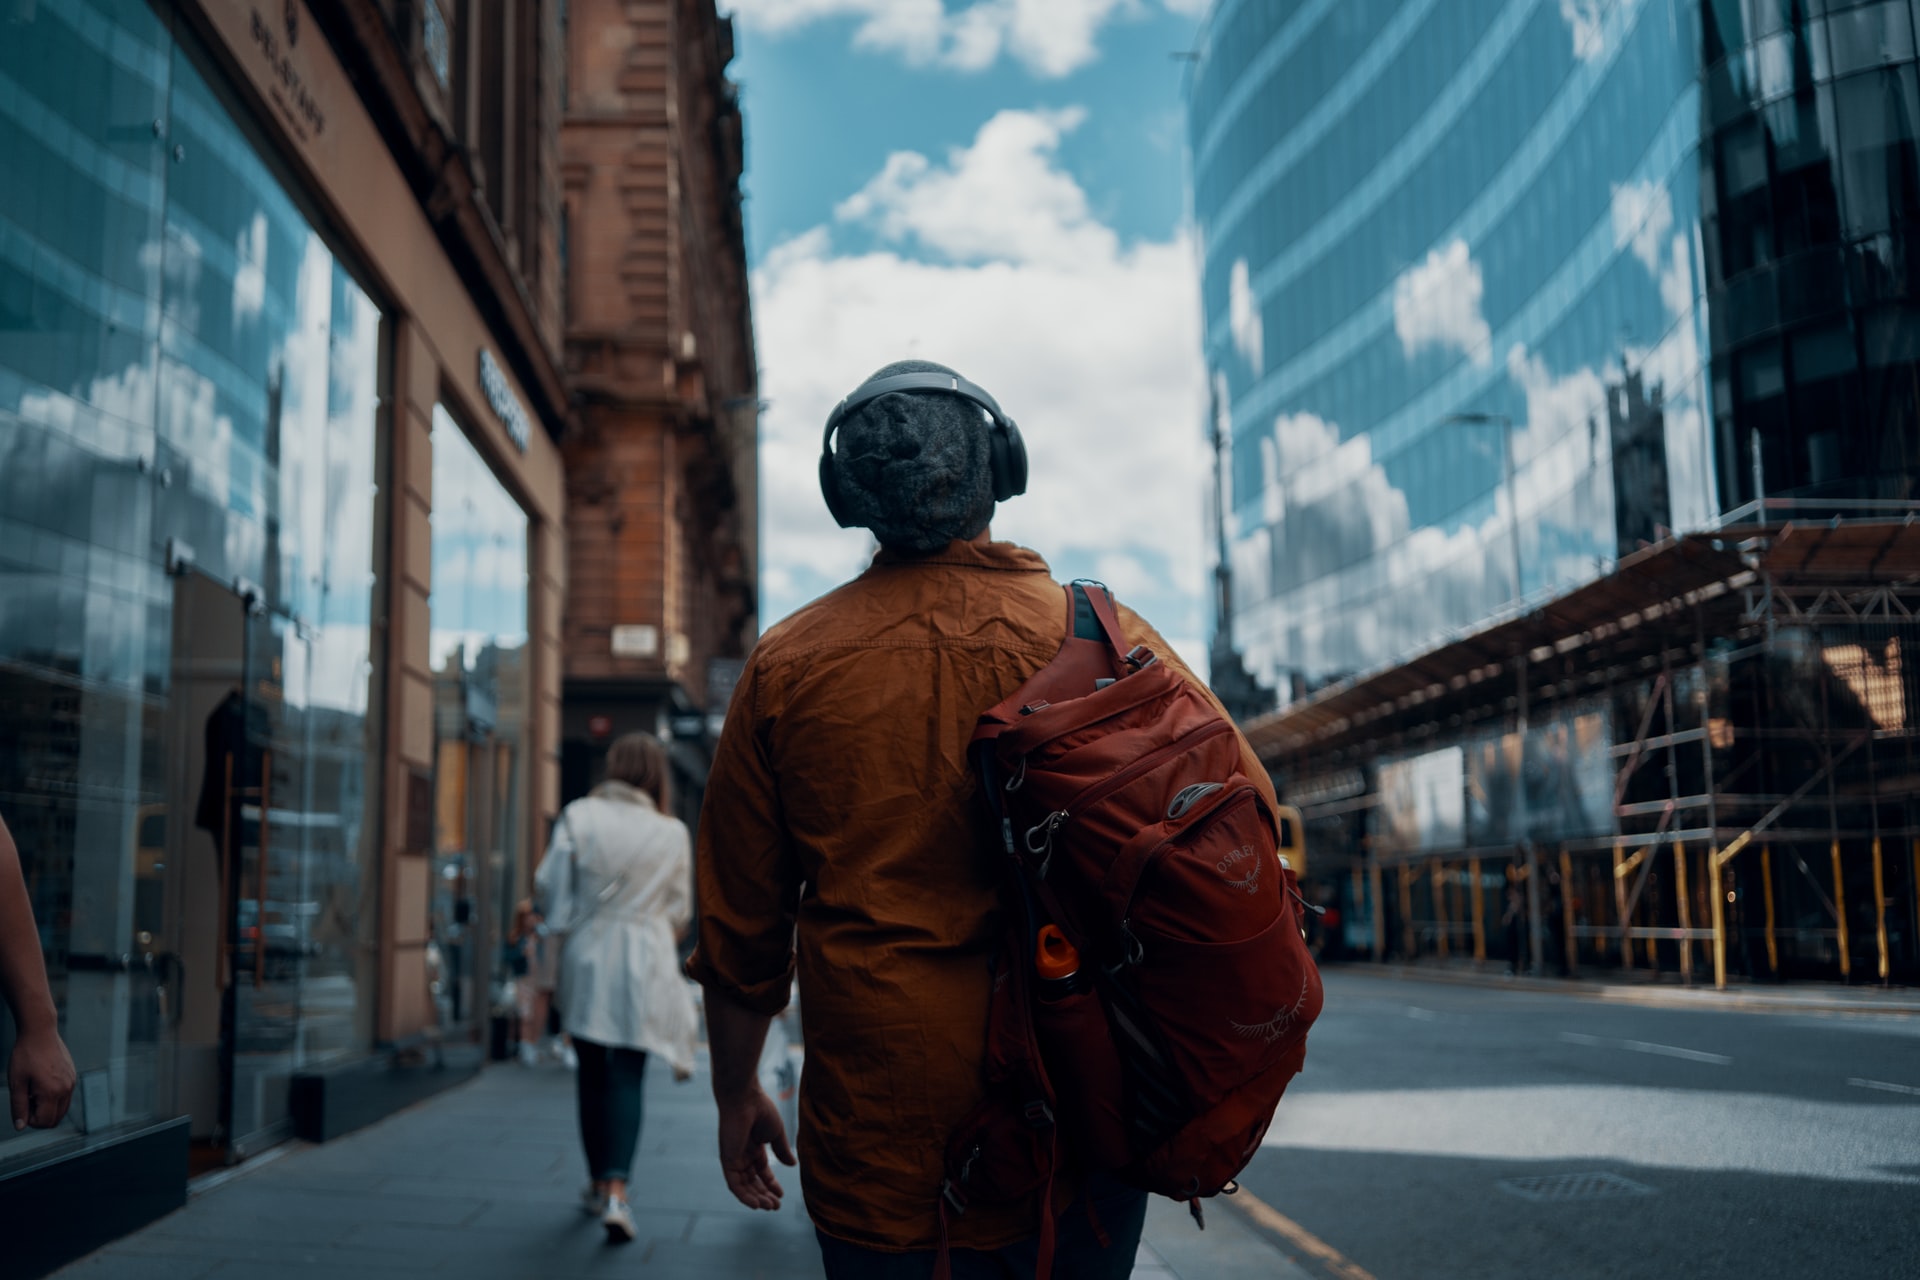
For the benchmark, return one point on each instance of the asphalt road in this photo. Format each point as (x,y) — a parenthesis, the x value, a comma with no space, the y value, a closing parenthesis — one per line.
(1428,1134)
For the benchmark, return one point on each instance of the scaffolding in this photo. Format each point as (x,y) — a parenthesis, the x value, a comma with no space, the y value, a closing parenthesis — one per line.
(1700,763)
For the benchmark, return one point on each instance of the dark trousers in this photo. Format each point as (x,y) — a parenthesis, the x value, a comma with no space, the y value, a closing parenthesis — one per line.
(1077,1251)
(609,1082)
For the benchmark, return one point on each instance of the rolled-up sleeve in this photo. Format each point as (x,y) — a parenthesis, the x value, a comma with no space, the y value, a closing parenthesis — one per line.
(748,879)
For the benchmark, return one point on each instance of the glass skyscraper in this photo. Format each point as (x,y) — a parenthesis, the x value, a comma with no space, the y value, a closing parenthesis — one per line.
(1498,291)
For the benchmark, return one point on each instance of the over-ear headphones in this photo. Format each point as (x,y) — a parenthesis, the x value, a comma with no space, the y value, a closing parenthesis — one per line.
(1006,451)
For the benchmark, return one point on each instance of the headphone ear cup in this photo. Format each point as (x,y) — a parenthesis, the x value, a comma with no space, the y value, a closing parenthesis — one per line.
(830,490)
(1008,458)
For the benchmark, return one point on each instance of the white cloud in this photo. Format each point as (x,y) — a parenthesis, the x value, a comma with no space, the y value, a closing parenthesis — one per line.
(1437,303)
(1642,217)
(1093,346)
(1000,199)
(1050,37)
(1586,19)
(1243,318)
(250,268)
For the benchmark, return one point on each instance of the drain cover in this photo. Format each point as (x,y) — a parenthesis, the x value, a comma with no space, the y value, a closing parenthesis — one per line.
(1574,1186)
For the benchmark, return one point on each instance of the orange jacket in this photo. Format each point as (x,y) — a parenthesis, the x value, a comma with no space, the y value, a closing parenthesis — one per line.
(842,771)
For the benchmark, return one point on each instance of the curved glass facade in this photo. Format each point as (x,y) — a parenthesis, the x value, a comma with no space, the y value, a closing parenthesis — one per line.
(1497,291)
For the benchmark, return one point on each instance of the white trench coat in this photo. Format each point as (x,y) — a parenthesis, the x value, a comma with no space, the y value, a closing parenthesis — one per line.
(618,881)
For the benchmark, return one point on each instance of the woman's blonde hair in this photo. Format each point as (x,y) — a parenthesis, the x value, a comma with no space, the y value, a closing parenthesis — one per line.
(639,760)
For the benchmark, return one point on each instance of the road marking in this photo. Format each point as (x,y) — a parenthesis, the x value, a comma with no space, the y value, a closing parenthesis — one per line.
(1336,1263)
(1644,1046)
(1883,1085)
(1422,1015)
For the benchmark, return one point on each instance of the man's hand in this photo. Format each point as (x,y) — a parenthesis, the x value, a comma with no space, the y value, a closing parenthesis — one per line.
(748,1125)
(40,1079)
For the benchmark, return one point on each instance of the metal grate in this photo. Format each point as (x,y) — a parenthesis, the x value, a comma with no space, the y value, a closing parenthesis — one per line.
(1573,1186)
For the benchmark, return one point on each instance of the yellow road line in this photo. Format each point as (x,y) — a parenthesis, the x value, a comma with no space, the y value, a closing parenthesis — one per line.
(1330,1258)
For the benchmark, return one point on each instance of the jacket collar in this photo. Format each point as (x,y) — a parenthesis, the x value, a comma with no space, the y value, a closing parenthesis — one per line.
(1006,557)
(614,789)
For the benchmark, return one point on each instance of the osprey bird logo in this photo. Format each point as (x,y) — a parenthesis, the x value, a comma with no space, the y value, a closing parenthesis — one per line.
(1251,881)
(1276,1026)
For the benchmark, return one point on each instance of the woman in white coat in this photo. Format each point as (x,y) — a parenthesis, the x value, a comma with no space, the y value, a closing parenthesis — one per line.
(617,880)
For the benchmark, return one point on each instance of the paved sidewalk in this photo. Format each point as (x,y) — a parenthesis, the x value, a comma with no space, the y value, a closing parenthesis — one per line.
(481,1183)
(1641,989)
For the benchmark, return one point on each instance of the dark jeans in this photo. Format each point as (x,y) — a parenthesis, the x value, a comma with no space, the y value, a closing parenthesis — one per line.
(609,1082)
(1077,1254)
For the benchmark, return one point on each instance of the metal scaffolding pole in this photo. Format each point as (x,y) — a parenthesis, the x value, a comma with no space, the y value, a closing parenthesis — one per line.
(1620,903)
(1880,910)
(1766,881)
(1379,907)
(1570,945)
(1479,914)
(1712,784)
(1409,940)
(1536,923)
(1686,913)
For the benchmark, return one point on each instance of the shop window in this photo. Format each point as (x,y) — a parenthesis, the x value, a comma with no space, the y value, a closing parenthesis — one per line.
(187,557)
(478,650)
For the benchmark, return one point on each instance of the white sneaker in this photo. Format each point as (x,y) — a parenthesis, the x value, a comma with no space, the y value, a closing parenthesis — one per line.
(618,1220)
(567,1057)
(592,1203)
(529,1055)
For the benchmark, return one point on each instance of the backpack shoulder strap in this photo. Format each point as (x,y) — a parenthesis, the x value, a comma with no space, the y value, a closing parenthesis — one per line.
(1094,617)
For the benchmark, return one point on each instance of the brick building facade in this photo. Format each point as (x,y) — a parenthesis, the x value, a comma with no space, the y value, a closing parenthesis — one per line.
(661,471)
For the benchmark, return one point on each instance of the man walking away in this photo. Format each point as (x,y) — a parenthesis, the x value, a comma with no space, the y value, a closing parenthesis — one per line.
(842,834)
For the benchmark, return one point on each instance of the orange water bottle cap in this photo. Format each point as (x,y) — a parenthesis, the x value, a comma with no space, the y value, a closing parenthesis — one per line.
(1055,957)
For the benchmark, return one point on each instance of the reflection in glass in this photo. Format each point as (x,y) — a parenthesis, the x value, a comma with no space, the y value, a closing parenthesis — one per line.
(1670,240)
(188,386)
(479,659)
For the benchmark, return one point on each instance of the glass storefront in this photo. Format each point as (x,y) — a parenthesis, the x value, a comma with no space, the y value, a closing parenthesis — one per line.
(189,390)
(480,700)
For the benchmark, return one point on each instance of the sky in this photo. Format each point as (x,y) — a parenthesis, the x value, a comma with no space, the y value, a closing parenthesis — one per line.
(997,185)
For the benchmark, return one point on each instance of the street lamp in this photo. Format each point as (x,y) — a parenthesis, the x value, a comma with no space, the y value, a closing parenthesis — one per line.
(1536,925)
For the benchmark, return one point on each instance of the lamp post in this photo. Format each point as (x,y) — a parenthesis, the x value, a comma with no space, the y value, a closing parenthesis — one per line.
(1536,925)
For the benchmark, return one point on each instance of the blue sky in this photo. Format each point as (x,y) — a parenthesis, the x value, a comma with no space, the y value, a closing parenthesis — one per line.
(998,185)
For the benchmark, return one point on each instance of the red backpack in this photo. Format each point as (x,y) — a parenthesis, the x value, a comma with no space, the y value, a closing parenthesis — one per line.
(1128,823)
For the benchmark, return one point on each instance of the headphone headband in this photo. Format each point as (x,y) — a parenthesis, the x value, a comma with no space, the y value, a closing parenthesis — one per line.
(950,383)
(1006,451)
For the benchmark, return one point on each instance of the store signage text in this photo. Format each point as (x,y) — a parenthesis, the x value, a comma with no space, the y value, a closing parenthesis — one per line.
(513,416)
(285,85)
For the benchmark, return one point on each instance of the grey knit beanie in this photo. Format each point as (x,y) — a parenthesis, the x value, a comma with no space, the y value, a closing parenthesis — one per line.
(915,466)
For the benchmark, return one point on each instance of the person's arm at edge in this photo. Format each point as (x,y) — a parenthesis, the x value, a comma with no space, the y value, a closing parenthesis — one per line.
(40,1075)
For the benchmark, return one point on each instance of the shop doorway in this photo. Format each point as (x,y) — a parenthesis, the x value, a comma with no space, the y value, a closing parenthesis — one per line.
(236,911)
